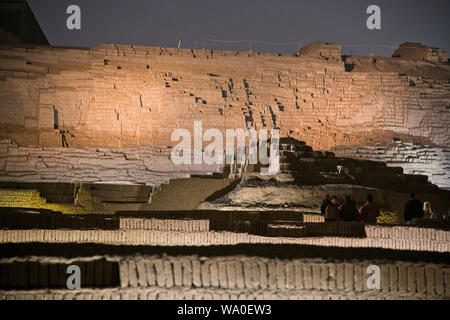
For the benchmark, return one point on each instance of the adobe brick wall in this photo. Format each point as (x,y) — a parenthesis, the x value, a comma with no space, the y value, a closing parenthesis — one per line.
(122,96)
(145,165)
(412,157)
(208,227)
(165,225)
(417,51)
(233,277)
(399,238)
(256,274)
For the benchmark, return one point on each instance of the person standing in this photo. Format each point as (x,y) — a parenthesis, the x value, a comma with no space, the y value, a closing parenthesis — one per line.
(370,211)
(427,212)
(413,208)
(331,212)
(349,212)
(325,202)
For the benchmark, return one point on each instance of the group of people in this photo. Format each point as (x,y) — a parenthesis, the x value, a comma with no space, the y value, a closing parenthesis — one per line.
(333,210)
(414,208)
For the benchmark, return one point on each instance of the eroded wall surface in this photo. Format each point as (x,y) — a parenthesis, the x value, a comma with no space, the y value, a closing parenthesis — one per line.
(122,96)
(413,157)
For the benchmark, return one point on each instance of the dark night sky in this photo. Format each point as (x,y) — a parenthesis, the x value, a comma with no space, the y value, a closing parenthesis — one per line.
(157,22)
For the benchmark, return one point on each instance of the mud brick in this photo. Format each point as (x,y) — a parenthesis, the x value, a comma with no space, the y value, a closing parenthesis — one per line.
(447,282)
(69,296)
(263,280)
(331,276)
(133,223)
(196,273)
(281,274)
(430,281)
(358,277)
(324,276)
(206,296)
(14,236)
(247,274)
(125,295)
(239,271)
(151,273)
(217,296)
(188,295)
(340,276)
(385,281)
(445,236)
(160,273)
(205,275)
(231,274)
(254,275)
(123,223)
(439,280)
(272,273)
(79,296)
(123,270)
(316,276)
(420,279)
(349,277)
(402,278)
(177,273)
(97,296)
(132,273)
(412,279)
(187,273)
(223,279)
(431,234)
(115,295)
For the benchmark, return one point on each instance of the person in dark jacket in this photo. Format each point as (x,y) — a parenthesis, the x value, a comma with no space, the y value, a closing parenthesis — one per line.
(332,211)
(325,202)
(349,212)
(413,208)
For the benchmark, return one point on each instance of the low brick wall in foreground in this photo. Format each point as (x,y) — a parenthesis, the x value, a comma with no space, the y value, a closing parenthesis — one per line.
(243,277)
